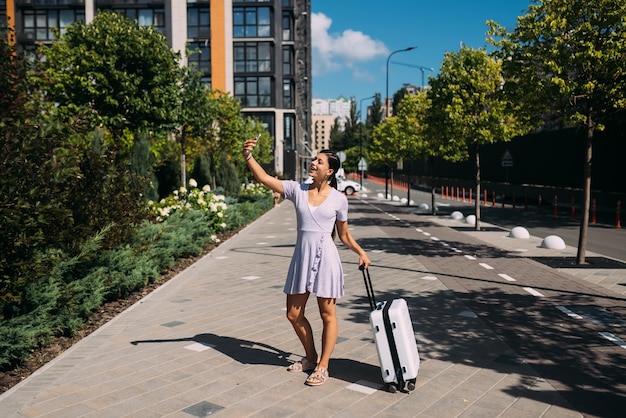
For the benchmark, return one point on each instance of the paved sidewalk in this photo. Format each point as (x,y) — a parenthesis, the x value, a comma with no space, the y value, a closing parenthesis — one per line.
(214,339)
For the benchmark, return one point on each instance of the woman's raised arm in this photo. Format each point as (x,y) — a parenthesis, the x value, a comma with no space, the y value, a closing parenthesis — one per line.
(257,171)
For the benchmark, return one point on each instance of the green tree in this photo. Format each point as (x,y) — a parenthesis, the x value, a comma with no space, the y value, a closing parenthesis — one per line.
(566,58)
(223,130)
(398,96)
(469,109)
(351,129)
(375,115)
(125,75)
(348,137)
(336,141)
(402,137)
(195,105)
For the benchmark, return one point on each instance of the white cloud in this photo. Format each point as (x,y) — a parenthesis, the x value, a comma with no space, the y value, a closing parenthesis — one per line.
(333,52)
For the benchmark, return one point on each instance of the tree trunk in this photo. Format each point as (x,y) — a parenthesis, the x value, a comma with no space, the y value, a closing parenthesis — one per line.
(408,181)
(584,222)
(477,201)
(432,187)
(387,181)
(183,163)
(391,183)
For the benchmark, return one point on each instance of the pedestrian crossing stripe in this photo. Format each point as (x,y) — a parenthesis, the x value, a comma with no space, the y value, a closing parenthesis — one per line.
(614,339)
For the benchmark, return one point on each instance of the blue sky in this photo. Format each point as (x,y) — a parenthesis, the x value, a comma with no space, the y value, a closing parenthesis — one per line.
(353,38)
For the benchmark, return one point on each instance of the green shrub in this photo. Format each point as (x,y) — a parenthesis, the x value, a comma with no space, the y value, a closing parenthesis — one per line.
(60,302)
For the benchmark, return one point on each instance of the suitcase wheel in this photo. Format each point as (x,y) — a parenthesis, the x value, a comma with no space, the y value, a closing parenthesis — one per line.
(410,386)
(391,388)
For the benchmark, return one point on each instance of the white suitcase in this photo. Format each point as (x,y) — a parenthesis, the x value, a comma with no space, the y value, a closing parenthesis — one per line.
(395,341)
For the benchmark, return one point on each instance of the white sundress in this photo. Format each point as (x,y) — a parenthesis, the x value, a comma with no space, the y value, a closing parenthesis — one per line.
(315,265)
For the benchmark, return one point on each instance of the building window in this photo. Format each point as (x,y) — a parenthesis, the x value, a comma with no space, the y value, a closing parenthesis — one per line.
(3,17)
(198,23)
(266,119)
(251,22)
(200,56)
(288,60)
(289,134)
(252,57)
(288,94)
(38,24)
(254,91)
(287,27)
(146,17)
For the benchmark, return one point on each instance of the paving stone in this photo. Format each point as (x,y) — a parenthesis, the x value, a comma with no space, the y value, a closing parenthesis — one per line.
(230,306)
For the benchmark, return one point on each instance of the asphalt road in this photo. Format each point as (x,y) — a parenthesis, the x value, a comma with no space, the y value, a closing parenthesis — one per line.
(603,238)
(530,308)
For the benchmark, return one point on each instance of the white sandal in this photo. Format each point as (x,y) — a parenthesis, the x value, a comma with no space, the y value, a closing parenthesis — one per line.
(303,365)
(318,377)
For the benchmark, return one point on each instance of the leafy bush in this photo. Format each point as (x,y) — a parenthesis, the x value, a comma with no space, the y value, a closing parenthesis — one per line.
(60,302)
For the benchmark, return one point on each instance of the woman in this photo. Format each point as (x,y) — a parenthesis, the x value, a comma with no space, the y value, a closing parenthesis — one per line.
(322,212)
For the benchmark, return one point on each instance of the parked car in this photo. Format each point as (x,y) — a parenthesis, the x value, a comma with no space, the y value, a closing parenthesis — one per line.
(349,187)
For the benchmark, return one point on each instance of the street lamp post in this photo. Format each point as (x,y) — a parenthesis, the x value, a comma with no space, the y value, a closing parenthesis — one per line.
(387,101)
(361,133)
(387,77)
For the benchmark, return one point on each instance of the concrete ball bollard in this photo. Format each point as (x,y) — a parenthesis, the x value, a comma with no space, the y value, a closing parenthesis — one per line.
(471,219)
(457,215)
(424,206)
(553,242)
(519,232)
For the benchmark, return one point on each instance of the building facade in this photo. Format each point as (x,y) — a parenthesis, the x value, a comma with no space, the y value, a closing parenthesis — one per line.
(322,125)
(327,113)
(257,50)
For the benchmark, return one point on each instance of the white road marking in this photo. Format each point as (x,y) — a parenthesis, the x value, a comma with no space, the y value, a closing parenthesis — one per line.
(568,312)
(614,339)
(533,292)
(199,347)
(486,266)
(507,277)
(251,277)
(365,387)
(470,257)
(426,233)
(434,238)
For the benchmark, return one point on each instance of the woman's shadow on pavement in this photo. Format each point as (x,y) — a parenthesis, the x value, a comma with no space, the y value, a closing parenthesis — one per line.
(251,352)
(242,351)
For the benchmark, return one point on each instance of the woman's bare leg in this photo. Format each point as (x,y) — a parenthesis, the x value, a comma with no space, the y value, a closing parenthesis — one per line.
(296,305)
(328,312)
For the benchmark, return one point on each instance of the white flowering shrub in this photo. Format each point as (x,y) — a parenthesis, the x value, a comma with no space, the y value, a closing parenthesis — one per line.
(252,189)
(183,200)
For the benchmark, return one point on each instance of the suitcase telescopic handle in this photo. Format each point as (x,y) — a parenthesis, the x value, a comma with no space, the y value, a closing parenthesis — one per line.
(368,287)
